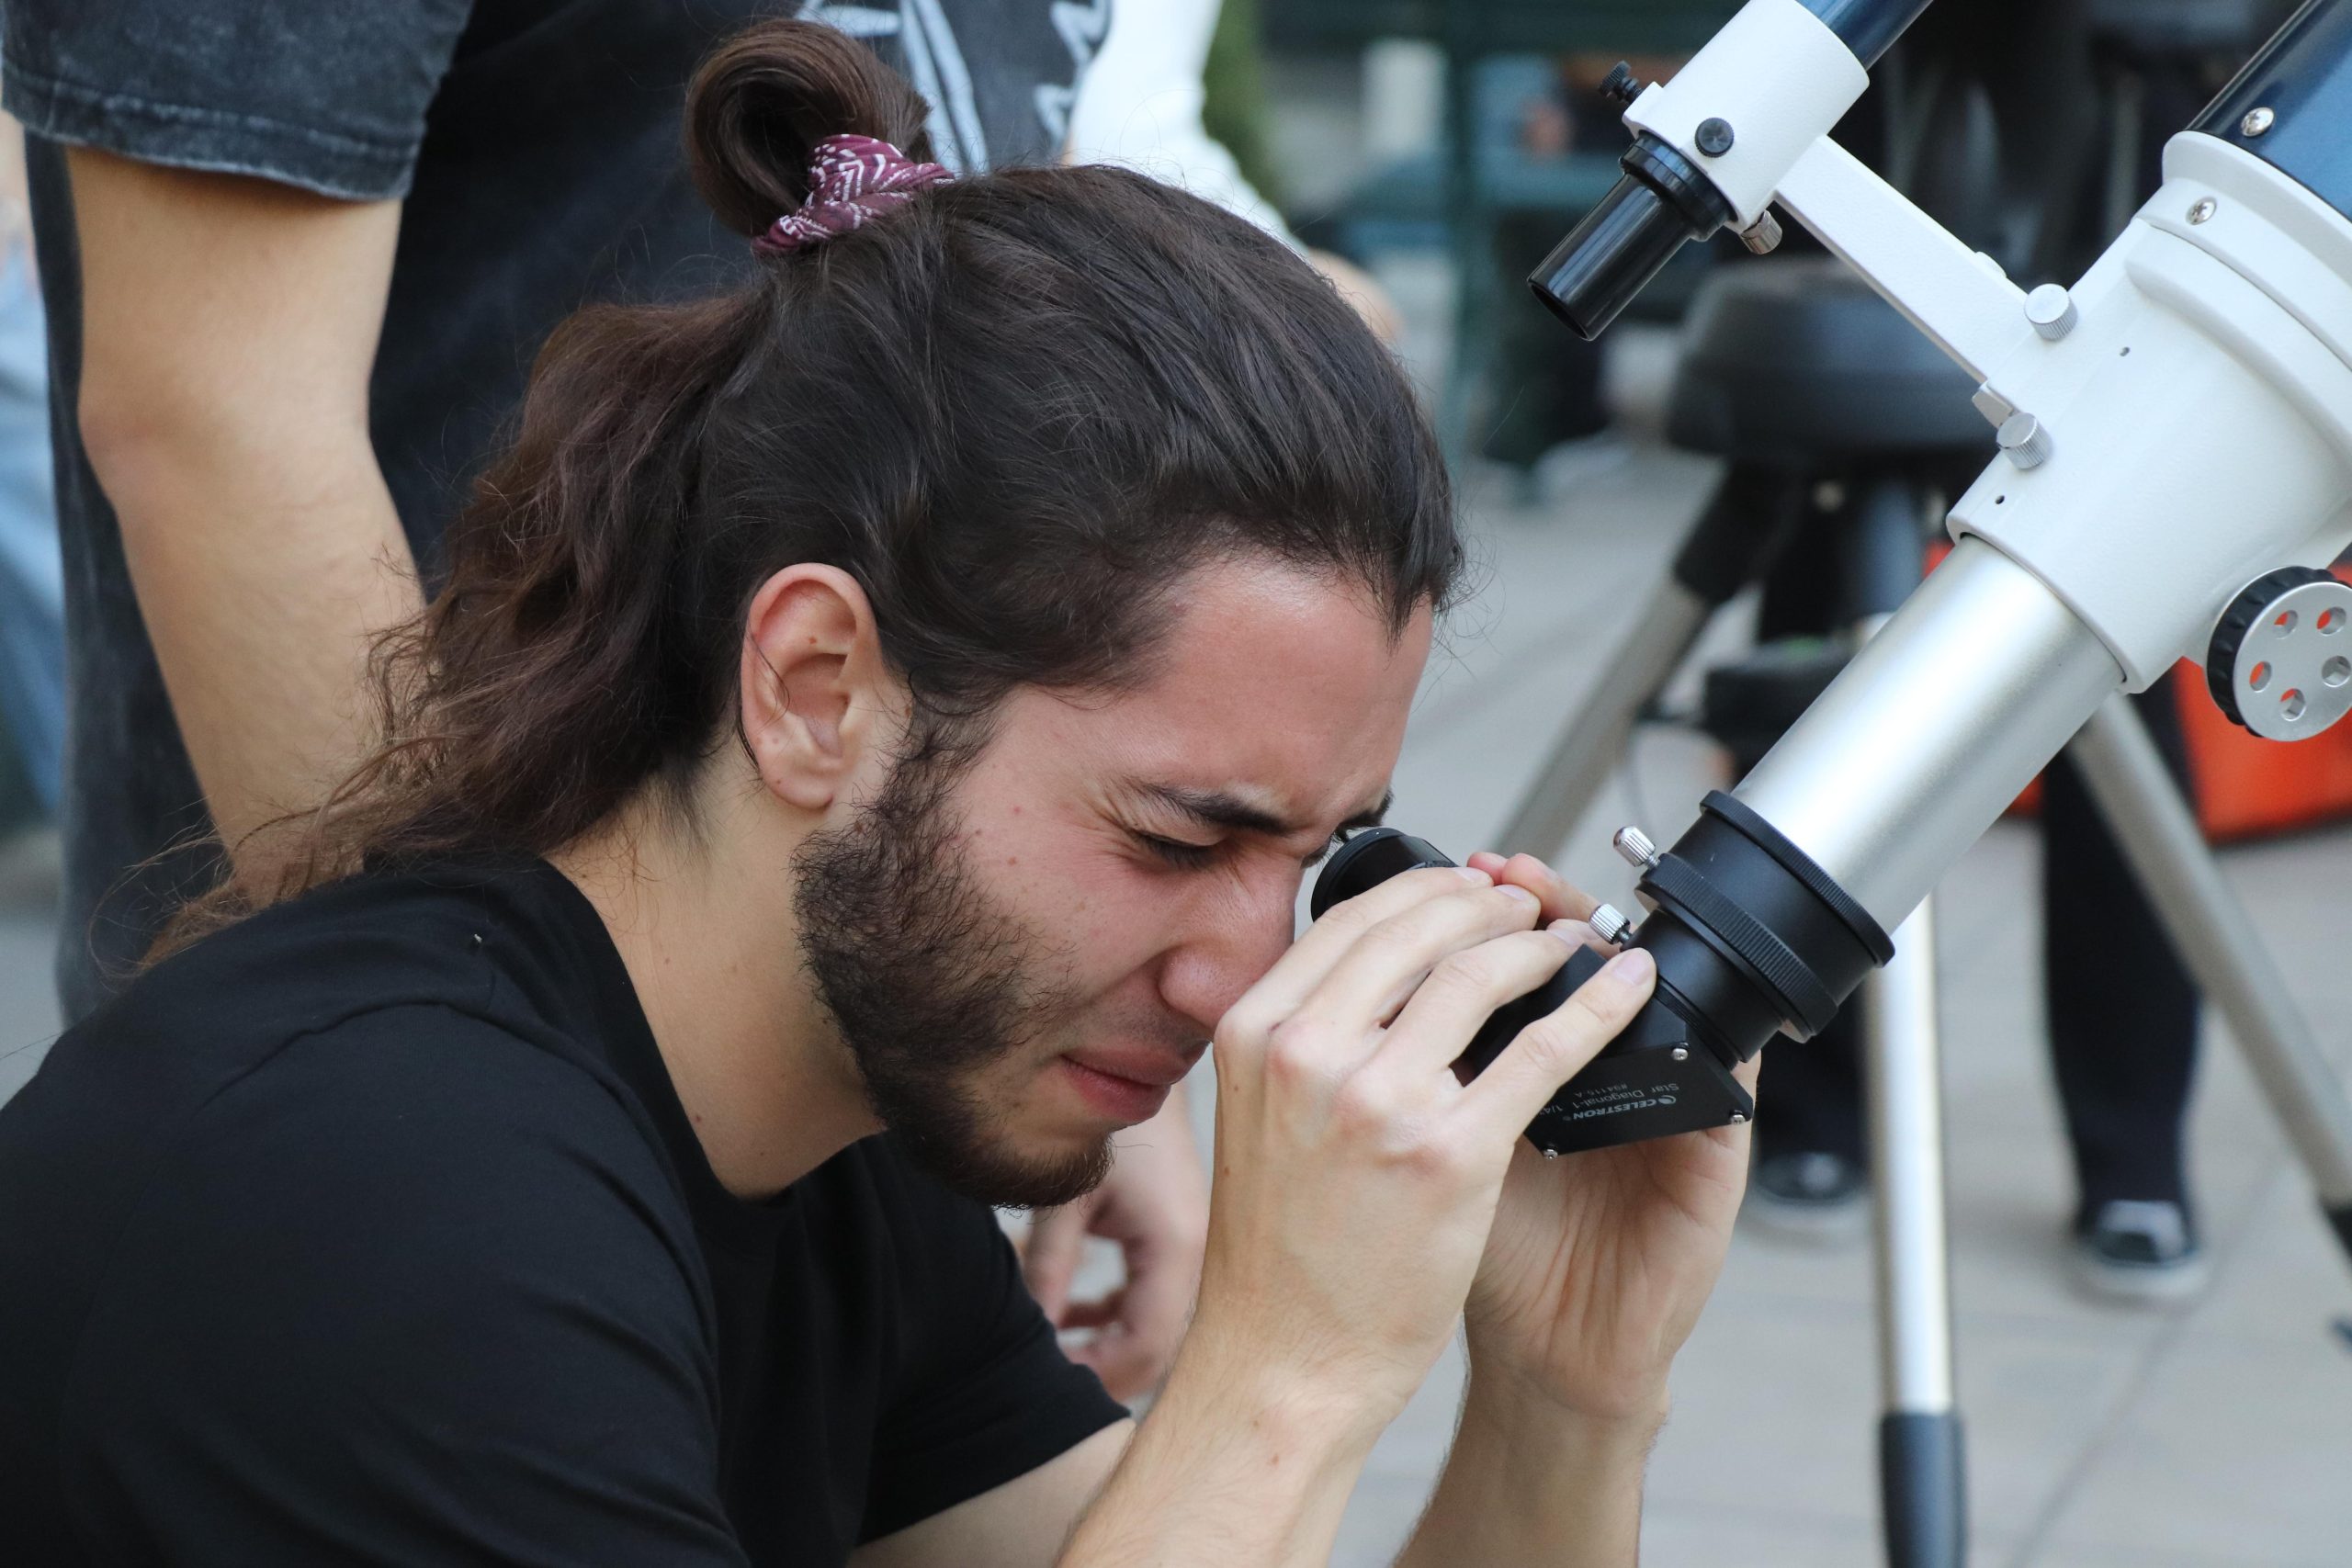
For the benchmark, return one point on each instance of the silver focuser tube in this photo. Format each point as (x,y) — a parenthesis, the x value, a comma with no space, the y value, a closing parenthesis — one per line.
(1941,720)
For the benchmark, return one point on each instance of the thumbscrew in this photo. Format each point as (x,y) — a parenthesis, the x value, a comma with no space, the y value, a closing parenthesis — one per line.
(1635,846)
(1610,926)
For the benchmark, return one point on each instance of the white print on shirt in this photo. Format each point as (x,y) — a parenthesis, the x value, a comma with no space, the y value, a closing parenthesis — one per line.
(1082,24)
(935,64)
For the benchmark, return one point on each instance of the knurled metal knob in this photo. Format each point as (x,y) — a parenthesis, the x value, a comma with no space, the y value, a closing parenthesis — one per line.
(1621,85)
(1635,846)
(2052,311)
(2026,440)
(1610,925)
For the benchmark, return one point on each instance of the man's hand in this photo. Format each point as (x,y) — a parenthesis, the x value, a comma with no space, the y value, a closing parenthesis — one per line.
(1356,1181)
(1597,1264)
(1357,1177)
(1594,1272)
(1155,1205)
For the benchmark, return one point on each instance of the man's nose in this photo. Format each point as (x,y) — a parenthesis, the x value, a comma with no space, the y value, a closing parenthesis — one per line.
(1230,941)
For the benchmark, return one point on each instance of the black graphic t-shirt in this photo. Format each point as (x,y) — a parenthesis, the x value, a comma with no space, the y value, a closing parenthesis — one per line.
(536,145)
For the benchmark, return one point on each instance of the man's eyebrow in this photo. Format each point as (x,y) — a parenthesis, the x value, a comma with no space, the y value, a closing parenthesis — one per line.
(1216,808)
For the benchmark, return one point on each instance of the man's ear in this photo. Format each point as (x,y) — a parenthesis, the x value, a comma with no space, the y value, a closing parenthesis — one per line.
(817,699)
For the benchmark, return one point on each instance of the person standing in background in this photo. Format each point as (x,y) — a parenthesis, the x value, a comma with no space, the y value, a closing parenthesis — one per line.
(374,214)
(1144,105)
(300,255)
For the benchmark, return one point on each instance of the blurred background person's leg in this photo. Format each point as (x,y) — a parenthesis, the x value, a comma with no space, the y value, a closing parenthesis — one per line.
(1812,1164)
(33,584)
(2123,1028)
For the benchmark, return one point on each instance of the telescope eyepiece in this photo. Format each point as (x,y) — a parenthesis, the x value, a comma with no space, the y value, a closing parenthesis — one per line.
(1367,860)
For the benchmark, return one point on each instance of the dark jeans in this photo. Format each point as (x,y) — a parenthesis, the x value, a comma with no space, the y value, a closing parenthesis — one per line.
(2123,1012)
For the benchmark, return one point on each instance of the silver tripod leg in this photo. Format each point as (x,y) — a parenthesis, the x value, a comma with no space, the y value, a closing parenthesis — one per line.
(1922,1495)
(2209,927)
(1594,739)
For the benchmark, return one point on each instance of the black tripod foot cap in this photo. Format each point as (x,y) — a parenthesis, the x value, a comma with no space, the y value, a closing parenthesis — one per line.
(1922,1489)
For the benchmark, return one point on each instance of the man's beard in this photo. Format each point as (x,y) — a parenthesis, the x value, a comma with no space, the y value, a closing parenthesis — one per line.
(929,984)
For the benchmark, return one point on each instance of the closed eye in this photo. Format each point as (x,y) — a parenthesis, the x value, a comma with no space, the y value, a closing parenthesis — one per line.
(1333,843)
(1193,857)
(1177,852)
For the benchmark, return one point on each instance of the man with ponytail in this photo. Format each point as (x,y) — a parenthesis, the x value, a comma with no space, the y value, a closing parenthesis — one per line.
(866,751)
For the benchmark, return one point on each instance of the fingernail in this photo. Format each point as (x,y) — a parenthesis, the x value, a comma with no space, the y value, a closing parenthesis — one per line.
(1512,890)
(1470,873)
(1632,966)
(1573,933)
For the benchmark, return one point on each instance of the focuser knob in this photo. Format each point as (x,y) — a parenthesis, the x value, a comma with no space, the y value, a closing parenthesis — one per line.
(2280,661)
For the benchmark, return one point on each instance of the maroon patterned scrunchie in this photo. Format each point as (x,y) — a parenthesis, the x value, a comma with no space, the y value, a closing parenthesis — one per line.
(851,180)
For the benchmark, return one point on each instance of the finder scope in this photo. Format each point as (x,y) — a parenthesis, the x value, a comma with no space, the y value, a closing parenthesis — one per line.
(1666,198)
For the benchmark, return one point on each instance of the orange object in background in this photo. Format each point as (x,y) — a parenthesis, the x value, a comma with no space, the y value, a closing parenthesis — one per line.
(2247,787)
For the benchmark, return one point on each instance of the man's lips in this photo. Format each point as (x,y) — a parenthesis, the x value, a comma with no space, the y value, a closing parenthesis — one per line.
(1138,1065)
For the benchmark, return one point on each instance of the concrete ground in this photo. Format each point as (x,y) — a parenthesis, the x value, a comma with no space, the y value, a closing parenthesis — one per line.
(2215,1433)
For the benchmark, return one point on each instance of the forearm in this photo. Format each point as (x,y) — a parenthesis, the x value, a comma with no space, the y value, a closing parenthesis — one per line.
(224,407)
(1528,1483)
(265,568)
(1226,1470)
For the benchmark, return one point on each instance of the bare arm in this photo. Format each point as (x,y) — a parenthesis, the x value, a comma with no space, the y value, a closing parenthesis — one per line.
(1356,1178)
(230,325)
(1354,1204)
(1238,1473)
(1236,1465)
(1527,1482)
(1018,1524)
(1594,1274)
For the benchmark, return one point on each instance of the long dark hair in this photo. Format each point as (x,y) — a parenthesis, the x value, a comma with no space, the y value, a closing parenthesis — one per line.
(1015,410)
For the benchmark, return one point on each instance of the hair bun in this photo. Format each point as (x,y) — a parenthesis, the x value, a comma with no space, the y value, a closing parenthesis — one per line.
(766,97)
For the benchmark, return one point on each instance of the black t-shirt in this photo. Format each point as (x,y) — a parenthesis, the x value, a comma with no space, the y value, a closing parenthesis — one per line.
(536,145)
(371,1229)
